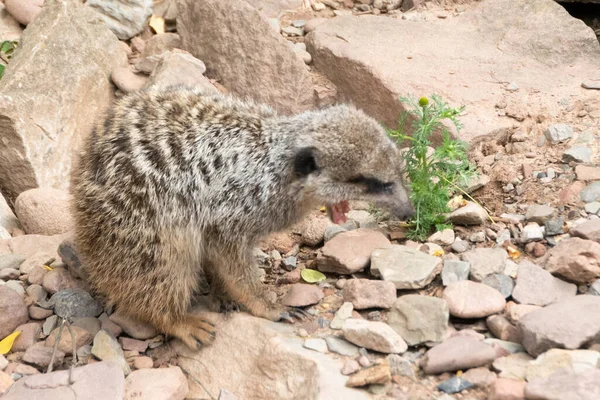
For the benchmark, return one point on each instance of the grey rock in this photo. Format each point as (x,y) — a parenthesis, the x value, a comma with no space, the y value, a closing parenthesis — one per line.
(595,288)
(460,246)
(485,261)
(457,353)
(341,346)
(407,267)
(333,230)
(400,365)
(593,207)
(17,286)
(532,232)
(8,220)
(539,213)
(341,315)
(471,214)
(49,324)
(557,133)
(566,384)
(554,226)
(419,319)
(376,336)
(363,218)
(13,261)
(538,287)
(125,18)
(591,193)
(454,271)
(75,303)
(454,385)
(591,85)
(501,282)
(108,349)
(40,355)
(316,344)
(289,263)
(582,154)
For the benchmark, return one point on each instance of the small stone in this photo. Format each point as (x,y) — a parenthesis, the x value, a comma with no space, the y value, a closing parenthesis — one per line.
(582,154)
(477,237)
(128,81)
(302,295)
(134,328)
(28,337)
(107,349)
(460,246)
(44,211)
(566,384)
(501,282)
(557,133)
(40,356)
(485,261)
(162,383)
(591,85)
(406,267)
(507,389)
(507,347)
(113,329)
(419,319)
(377,374)
(82,337)
(476,183)
(513,366)
(3,362)
(292,31)
(503,329)
(445,237)
(590,193)
(332,231)
(539,213)
(481,377)
(344,312)
(49,324)
(376,336)
(468,299)
(366,293)
(575,259)
(532,232)
(13,311)
(90,324)
(400,365)
(554,227)
(587,173)
(133,344)
(9,273)
(314,230)
(17,286)
(289,263)
(75,303)
(363,218)
(457,353)
(350,367)
(340,346)
(59,279)
(454,271)
(593,207)
(454,385)
(316,344)
(12,261)
(514,312)
(142,362)
(595,288)
(588,230)
(36,292)
(551,361)
(470,214)
(538,287)
(125,20)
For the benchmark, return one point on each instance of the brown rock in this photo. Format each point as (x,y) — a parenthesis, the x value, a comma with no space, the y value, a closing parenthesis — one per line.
(467,299)
(181,68)
(25,370)
(566,384)
(480,377)
(10,29)
(419,319)
(60,279)
(313,229)
(164,383)
(366,293)
(13,311)
(513,366)
(280,241)
(568,324)
(40,355)
(133,344)
(570,194)
(44,211)
(161,43)
(134,328)
(538,287)
(82,337)
(503,329)
(142,362)
(80,55)
(587,173)
(574,259)
(378,374)
(40,258)
(29,335)
(507,389)
(28,245)
(350,252)
(278,77)
(588,230)
(113,329)
(39,312)
(301,295)
(24,11)
(36,276)
(128,81)
(514,312)
(459,352)
(372,335)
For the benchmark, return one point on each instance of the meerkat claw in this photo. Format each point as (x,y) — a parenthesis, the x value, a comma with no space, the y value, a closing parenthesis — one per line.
(285,316)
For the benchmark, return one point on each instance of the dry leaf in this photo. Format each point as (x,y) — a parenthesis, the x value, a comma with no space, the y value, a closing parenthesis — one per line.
(312,276)
(157,24)
(7,343)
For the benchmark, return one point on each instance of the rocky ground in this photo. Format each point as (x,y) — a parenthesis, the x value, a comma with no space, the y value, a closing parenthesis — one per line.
(504,306)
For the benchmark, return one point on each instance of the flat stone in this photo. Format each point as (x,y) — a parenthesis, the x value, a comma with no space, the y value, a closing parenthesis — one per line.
(129,344)
(39,312)
(567,324)
(587,173)
(49,324)
(551,361)
(588,230)
(470,214)
(108,349)
(565,384)
(485,261)
(460,246)
(532,232)
(28,337)
(127,80)
(419,319)
(81,53)
(59,279)
(44,211)
(377,374)
(480,376)
(340,346)
(454,271)
(180,68)
(442,238)
(82,337)
(350,252)
(278,77)
(539,213)
(501,282)
(457,353)
(590,193)
(366,293)
(454,385)
(406,267)
(468,299)
(125,19)
(400,365)
(592,208)
(341,315)
(538,287)
(557,133)
(582,154)
(104,380)
(575,259)
(302,295)
(501,328)
(164,383)
(376,336)
(513,366)
(134,328)
(13,311)
(316,344)
(511,347)
(507,389)
(39,355)
(11,261)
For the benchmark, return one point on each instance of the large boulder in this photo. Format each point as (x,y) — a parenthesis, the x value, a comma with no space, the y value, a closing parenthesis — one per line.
(269,364)
(240,47)
(62,71)
(468,59)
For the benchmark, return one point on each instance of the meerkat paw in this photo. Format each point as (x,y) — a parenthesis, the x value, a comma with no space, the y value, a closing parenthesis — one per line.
(293,314)
(195,332)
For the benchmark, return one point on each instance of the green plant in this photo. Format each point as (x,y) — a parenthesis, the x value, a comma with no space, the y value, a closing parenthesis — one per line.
(7,49)
(433,177)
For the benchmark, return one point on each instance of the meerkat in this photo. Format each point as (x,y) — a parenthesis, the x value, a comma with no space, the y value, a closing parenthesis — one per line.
(175,183)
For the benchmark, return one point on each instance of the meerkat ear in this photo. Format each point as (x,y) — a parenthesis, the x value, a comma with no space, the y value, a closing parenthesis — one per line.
(304,161)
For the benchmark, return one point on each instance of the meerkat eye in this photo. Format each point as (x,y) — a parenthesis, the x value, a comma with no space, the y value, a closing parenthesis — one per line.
(304,162)
(374,185)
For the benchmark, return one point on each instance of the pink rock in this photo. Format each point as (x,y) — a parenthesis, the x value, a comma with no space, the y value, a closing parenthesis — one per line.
(468,299)
(366,293)
(128,81)
(566,384)
(164,383)
(460,352)
(377,336)
(514,312)
(40,356)
(65,344)
(133,344)
(24,11)
(134,328)
(535,286)
(588,230)
(36,312)
(44,211)
(507,389)
(29,335)
(13,311)
(60,279)
(142,362)
(301,295)
(480,377)
(587,173)
(5,382)
(503,329)
(575,259)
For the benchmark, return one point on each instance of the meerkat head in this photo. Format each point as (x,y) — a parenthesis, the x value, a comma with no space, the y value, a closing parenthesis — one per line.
(346,155)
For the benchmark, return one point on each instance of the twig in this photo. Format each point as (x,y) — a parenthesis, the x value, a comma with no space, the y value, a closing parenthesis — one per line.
(74,358)
(55,348)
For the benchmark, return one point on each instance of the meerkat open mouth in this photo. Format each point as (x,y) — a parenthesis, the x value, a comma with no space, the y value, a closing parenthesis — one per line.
(337,212)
